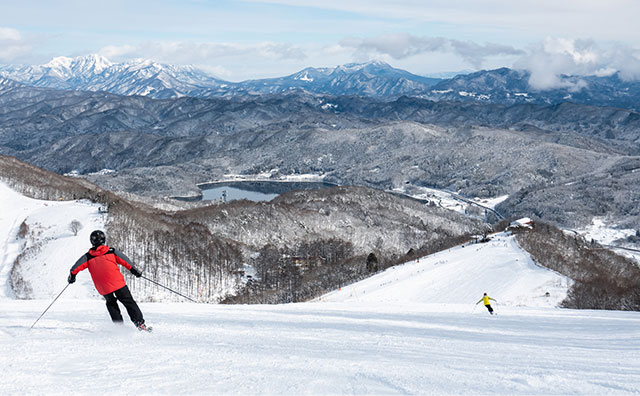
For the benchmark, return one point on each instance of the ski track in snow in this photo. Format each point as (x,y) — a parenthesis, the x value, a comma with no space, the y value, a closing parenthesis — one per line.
(317,348)
(413,329)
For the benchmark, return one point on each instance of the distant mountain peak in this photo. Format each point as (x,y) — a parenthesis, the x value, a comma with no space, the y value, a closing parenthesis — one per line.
(94,63)
(98,62)
(59,62)
(376,64)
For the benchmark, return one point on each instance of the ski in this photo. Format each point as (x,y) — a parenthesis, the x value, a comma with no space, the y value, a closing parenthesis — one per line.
(144,328)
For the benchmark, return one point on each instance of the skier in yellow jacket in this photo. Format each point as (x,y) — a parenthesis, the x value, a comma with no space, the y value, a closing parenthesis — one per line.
(487,304)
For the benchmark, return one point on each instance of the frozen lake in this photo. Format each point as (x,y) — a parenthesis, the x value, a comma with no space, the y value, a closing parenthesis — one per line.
(254,190)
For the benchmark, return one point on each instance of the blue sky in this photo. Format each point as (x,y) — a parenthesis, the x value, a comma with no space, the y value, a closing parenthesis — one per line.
(239,40)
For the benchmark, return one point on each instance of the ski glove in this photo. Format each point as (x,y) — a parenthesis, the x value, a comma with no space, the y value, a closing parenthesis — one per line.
(136,272)
(71,278)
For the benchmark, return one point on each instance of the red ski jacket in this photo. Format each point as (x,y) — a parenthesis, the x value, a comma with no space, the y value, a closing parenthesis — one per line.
(102,262)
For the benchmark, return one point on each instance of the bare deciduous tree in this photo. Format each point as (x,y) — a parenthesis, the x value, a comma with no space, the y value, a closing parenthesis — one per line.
(75,226)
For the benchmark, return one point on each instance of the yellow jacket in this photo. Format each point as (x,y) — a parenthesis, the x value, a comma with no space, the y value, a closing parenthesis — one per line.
(486,300)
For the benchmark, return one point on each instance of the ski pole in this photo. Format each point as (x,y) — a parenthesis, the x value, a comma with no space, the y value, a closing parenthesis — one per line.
(54,300)
(173,291)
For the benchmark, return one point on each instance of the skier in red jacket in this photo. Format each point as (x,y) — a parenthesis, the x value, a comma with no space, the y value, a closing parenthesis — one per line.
(102,262)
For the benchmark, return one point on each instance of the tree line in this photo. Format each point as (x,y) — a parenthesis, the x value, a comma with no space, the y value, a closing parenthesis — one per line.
(313,268)
(602,278)
(184,255)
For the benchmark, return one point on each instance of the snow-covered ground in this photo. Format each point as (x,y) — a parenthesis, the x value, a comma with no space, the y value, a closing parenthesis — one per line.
(460,276)
(269,176)
(413,329)
(447,199)
(318,348)
(51,246)
(439,197)
(606,233)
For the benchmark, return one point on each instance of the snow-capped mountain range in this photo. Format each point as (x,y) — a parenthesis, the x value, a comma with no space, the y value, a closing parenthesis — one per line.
(366,79)
(373,79)
(148,78)
(507,86)
(97,73)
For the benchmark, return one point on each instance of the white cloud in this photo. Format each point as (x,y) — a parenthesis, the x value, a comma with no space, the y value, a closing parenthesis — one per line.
(117,51)
(189,52)
(549,60)
(401,46)
(225,60)
(9,34)
(12,45)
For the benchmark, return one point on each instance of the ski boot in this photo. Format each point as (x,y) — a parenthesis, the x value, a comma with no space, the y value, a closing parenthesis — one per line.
(143,327)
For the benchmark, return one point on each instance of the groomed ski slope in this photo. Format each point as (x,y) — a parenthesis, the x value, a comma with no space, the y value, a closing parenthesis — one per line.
(460,276)
(320,349)
(413,329)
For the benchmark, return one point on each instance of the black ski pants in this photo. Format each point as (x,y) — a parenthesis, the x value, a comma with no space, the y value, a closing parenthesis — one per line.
(124,296)
(488,307)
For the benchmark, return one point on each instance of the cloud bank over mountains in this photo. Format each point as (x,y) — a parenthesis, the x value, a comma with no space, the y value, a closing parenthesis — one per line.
(401,46)
(554,57)
(253,39)
(547,60)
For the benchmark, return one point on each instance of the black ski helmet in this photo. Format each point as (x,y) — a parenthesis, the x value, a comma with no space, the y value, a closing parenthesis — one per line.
(97,238)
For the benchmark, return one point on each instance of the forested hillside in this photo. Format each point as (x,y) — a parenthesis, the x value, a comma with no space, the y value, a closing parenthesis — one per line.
(209,252)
